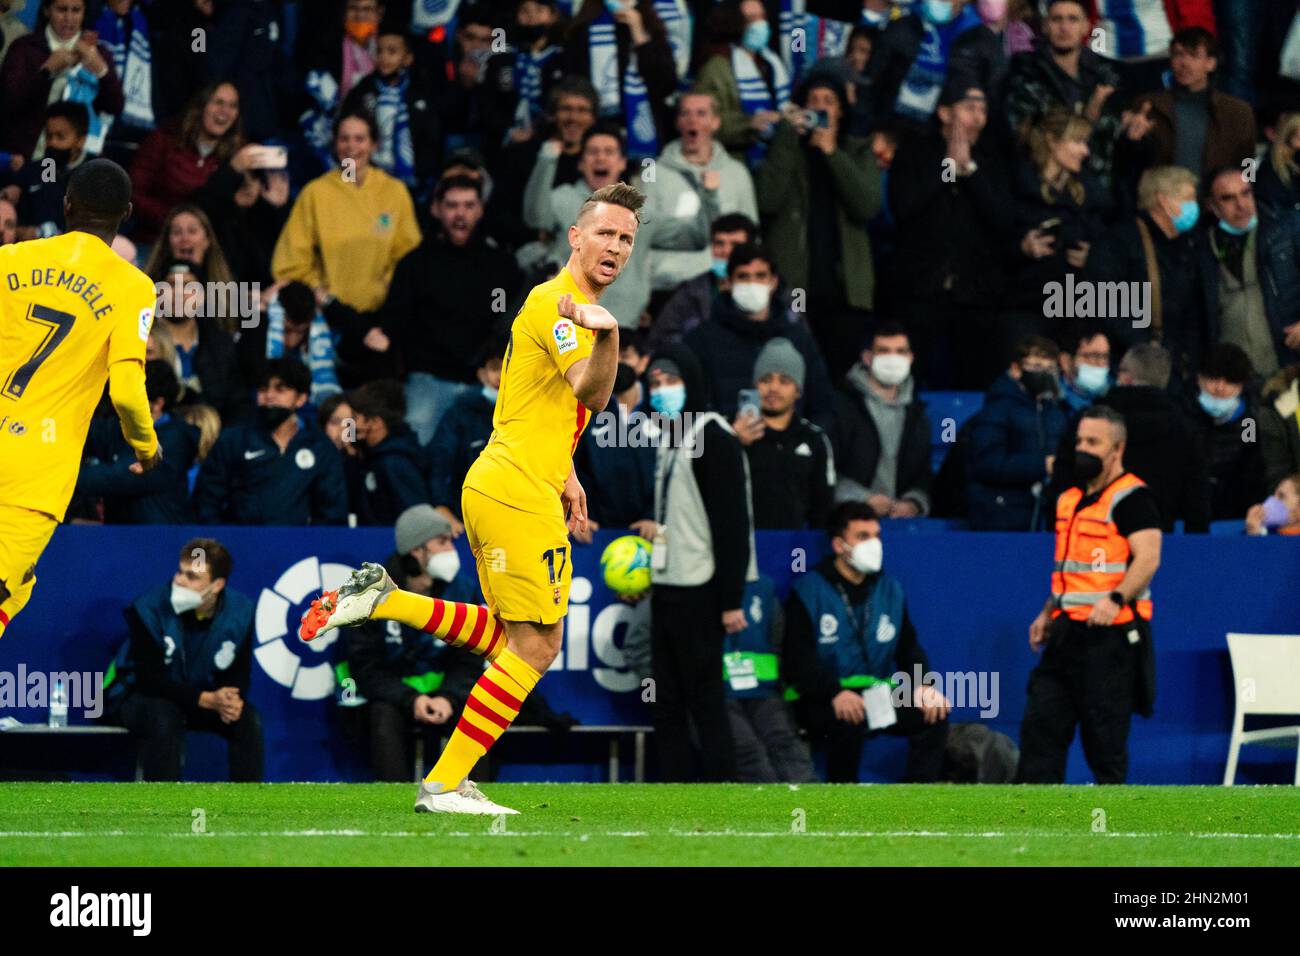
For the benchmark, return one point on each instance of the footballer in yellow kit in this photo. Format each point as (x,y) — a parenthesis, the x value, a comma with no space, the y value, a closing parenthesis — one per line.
(73,315)
(520,501)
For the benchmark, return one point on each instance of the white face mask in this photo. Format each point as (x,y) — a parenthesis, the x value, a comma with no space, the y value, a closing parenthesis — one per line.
(185,599)
(444,565)
(867,556)
(751,297)
(890,370)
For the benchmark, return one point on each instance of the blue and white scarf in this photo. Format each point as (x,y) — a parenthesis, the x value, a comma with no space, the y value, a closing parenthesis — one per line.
(630,100)
(530,66)
(133,60)
(83,87)
(395,153)
(918,94)
(754,94)
(317,123)
(795,36)
(427,14)
(677,21)
(320,351)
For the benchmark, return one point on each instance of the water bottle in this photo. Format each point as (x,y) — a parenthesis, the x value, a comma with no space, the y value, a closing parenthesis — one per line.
(59,706)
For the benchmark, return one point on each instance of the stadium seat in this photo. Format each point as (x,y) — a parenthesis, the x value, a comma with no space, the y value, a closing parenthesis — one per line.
(948,411)
(1266,675)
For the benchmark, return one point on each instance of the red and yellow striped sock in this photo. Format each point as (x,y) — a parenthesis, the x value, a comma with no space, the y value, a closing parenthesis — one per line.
(470,626)
(492,706)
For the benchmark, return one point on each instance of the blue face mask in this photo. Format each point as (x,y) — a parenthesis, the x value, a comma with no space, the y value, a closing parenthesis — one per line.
(938,11)
(757,35)
(668,399)
(1218,408)
(490,394)
(1188,213)
(719,268)
(1232,230)
(613,6)
(1091,379)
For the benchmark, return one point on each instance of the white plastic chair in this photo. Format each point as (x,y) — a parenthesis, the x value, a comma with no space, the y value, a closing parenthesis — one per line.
(1266,675)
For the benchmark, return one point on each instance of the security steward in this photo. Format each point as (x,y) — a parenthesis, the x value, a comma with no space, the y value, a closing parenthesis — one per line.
(1098,664)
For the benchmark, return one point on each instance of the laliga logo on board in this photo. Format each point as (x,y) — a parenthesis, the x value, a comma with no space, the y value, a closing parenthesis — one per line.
(302,667)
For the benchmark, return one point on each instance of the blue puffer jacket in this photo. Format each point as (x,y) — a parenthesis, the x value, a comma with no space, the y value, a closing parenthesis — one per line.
(1010,439)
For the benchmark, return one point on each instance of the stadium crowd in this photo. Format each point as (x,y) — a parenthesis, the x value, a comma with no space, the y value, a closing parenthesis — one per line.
(853,205)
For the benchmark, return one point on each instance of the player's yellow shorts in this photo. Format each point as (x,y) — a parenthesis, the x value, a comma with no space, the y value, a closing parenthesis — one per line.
(23,536)
(523,559)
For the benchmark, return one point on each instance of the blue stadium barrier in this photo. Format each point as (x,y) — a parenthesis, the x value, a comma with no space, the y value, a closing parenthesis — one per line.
(948,411)
(971,596)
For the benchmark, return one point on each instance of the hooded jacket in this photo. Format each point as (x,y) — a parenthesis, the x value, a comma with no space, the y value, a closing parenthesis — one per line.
(728,345)
(857,444)
(393,478)
(1011,437)
(160,495)
(719,470)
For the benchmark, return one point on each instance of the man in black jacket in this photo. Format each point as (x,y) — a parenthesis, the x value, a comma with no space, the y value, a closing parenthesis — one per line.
(947,195)
(1224,416)
(1184,315)
(881,434)
(394,468)
(791,465)
(160,495)
(273,469)
(1256,287)
(449,297)
(744,320)
(848,635)
(1163,448)
(702,533)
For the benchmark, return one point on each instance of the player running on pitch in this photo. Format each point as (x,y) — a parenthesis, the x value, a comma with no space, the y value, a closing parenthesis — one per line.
(73,313)
(558,367)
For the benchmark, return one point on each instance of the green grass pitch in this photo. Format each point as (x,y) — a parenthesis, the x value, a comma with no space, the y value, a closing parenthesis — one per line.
(648,825)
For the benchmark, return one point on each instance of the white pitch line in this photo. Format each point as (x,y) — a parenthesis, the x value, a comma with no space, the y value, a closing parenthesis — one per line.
(747,834)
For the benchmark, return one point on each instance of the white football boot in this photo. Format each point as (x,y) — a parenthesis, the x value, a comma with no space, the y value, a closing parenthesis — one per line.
(466,798)
(351,604)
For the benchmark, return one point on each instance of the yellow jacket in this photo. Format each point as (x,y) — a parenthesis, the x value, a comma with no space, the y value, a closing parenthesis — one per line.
(348,237)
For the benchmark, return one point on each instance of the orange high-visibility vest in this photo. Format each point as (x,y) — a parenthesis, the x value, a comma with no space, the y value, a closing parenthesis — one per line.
(1091,555)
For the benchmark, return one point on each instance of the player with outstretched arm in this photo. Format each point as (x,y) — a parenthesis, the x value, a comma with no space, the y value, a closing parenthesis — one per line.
(520,500)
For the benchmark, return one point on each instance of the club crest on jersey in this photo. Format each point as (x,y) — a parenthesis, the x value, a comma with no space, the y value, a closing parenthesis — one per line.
(556,594)
(566,336)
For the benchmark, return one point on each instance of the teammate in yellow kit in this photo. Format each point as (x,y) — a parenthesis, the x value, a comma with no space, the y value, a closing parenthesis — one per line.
(520,500)
(73,313)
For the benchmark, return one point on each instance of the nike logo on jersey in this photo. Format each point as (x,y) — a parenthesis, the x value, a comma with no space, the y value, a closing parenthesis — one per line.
(250,455)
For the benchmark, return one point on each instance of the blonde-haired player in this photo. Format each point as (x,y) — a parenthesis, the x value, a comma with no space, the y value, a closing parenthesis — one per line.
(73,314)
(520,500)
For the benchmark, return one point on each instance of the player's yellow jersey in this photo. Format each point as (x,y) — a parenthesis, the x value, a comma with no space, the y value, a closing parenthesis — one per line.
(538,420)
(69,308)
